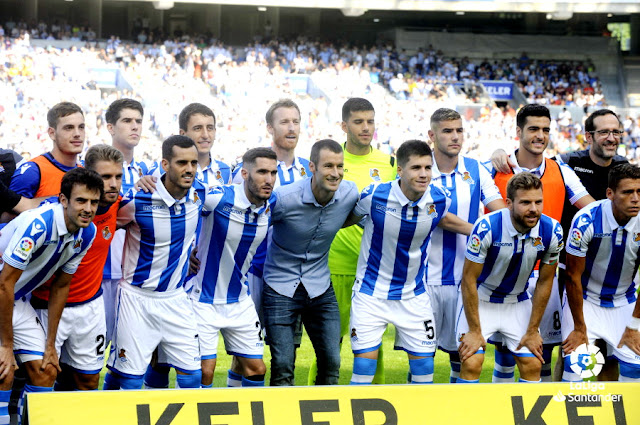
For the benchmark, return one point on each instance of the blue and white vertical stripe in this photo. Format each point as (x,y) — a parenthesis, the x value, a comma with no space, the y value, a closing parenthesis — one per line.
(131,173)
(160,234)
(393,251)
(229,237)
(610,277)
(471,187)
(509,256)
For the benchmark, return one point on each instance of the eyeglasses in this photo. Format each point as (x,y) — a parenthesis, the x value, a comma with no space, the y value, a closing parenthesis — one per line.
(605,133)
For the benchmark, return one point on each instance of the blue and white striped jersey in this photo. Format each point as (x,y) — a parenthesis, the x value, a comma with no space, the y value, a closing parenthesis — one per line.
(160,234)
(393,250)
(216,173)
(39,243)
(610,277)
(470,186)
(229,237)
(298,170)
(131,173)
(509,256)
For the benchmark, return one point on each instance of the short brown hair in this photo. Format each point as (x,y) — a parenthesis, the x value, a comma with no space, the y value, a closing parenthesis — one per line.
(62,109)
(522,181)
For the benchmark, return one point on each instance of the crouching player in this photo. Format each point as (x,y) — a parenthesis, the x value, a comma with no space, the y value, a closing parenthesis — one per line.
(602,271)
(390,279)
(49,239)
(502,251)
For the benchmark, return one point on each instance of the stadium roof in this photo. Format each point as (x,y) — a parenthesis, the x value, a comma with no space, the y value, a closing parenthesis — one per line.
(561,9)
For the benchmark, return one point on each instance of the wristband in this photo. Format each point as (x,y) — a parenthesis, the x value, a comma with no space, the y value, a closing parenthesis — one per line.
(634,323)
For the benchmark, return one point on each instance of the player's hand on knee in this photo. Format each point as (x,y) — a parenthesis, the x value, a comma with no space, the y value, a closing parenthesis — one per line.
(574,339)
(471,343)
(50,358)
(146,184)
(194,262)
(533,341)
(631,338)
(7,362)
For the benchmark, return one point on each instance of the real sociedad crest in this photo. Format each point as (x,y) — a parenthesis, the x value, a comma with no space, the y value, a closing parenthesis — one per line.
(431,211)
(106,233)
(466,177)
(375,174)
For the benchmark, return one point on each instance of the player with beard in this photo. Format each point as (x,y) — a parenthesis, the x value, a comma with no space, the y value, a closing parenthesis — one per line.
(502,251)
(81,347)
(533,127)
(230,234)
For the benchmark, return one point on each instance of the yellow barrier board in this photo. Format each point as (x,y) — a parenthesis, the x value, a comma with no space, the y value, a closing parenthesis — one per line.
(519,404)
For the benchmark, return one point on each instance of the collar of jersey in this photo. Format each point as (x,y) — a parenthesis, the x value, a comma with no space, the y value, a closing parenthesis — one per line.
(533,233)
(295,164)
(460,168)
(607,209)
(403,200)
(58,214)
(538,171)
(170,200)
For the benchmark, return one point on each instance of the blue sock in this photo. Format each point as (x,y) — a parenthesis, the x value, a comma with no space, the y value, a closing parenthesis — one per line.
(30,389)
(233,379)
(4,406)
(363,370)
(455,371)
(156,378)
(131,383)
(464,381)
(249,383)
(528,382)
(628,372)
(421,370)
(207,386)
(192,380)
(504,367)
(111,381)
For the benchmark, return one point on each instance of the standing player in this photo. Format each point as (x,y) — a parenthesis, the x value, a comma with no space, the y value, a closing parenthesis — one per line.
(80,341)
(363,165)
(602,275)
(390,282)
(306,218)
(533,125)
(153,308)
(124,123)
(603,131)
(502,251)
(41,176)
(49,239)
(471,186)
(229,237)
(283,124)
(198,123)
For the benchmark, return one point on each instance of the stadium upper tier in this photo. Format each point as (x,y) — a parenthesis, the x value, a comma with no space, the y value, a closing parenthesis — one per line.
(240,83)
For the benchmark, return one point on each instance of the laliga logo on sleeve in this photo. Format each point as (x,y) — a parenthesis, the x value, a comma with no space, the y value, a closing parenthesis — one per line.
(586,361)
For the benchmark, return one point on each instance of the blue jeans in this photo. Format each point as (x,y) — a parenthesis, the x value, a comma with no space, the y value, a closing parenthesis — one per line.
(321,319)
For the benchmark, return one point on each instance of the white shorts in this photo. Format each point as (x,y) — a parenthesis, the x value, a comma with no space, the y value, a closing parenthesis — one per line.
(444,301)
(551,322)
(28,333)
(109,291)
(146,320)
(413,319)
(509,319)
(239,324)
(80,341)
(606,323)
